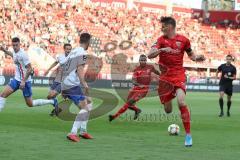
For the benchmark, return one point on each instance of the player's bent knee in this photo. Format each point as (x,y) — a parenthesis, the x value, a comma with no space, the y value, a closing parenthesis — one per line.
(3,95)
(29,104)
(50,96)
(168,111)
(181,103)
(131,101)
(229,98)
(168,107)
(82,104)
(221,94)
(89,107)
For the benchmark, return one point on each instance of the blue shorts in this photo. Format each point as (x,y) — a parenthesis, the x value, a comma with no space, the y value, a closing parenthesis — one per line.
(27,91)
(75,94)
(56,86)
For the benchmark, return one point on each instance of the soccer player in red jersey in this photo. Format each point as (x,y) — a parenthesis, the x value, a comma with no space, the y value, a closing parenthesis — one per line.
(170,48)
(141,82)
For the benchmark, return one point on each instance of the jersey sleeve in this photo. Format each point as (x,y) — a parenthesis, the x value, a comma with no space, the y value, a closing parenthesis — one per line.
(234,71)
(157,44)
(187,46)
(25,59)
(220,68)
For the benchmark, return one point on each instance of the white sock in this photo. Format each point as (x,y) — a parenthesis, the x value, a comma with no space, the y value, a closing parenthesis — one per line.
(83,127)
(75,127)
(2,103)
(83,124)
(40,102)
(79,122)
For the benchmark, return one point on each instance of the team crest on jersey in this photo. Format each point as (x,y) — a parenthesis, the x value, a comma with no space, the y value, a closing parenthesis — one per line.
(178,44)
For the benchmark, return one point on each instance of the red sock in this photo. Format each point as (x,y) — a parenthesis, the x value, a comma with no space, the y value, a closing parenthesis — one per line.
(121,110)
(185,115)
(135,108)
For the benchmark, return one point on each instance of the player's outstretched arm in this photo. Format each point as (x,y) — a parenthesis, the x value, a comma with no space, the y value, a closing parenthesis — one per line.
(80,72)
(50,68)
(154,52)
(6,51)
(194,57)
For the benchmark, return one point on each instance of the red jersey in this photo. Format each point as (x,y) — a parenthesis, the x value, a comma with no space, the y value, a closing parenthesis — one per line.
(143,75)
(173,60)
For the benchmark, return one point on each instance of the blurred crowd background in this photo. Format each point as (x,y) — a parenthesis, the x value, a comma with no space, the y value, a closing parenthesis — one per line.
(120,35)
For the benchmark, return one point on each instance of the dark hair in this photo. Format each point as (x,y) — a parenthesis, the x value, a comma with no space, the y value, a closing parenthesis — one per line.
(15,39)
(229,55)
(168,20)
(232,57)
(143,55)
(85,38)
(67,44)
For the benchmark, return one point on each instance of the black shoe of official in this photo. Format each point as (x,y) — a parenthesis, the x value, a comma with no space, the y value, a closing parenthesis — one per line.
(137,114)
(111,118)
(221,114)
(228,114)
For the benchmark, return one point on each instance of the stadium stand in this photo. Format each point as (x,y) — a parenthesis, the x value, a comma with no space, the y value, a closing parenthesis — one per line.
(49,25)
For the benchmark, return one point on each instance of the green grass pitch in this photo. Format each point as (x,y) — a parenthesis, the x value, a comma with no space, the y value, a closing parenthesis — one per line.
(31,134)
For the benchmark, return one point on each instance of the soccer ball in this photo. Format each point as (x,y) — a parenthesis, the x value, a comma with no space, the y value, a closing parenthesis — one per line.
(173,130)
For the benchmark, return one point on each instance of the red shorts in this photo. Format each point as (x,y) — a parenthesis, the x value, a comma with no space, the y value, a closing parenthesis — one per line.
(177,82)
(137,93)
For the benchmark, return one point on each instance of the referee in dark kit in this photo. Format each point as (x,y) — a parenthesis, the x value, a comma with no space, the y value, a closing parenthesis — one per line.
(228,75)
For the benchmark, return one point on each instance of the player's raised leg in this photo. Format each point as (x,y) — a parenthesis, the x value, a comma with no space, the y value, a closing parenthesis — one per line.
(39,102)
(27,93)
(130,102)
(5,93)
(185,115)
(136,110)
(168,107)
(221,102)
